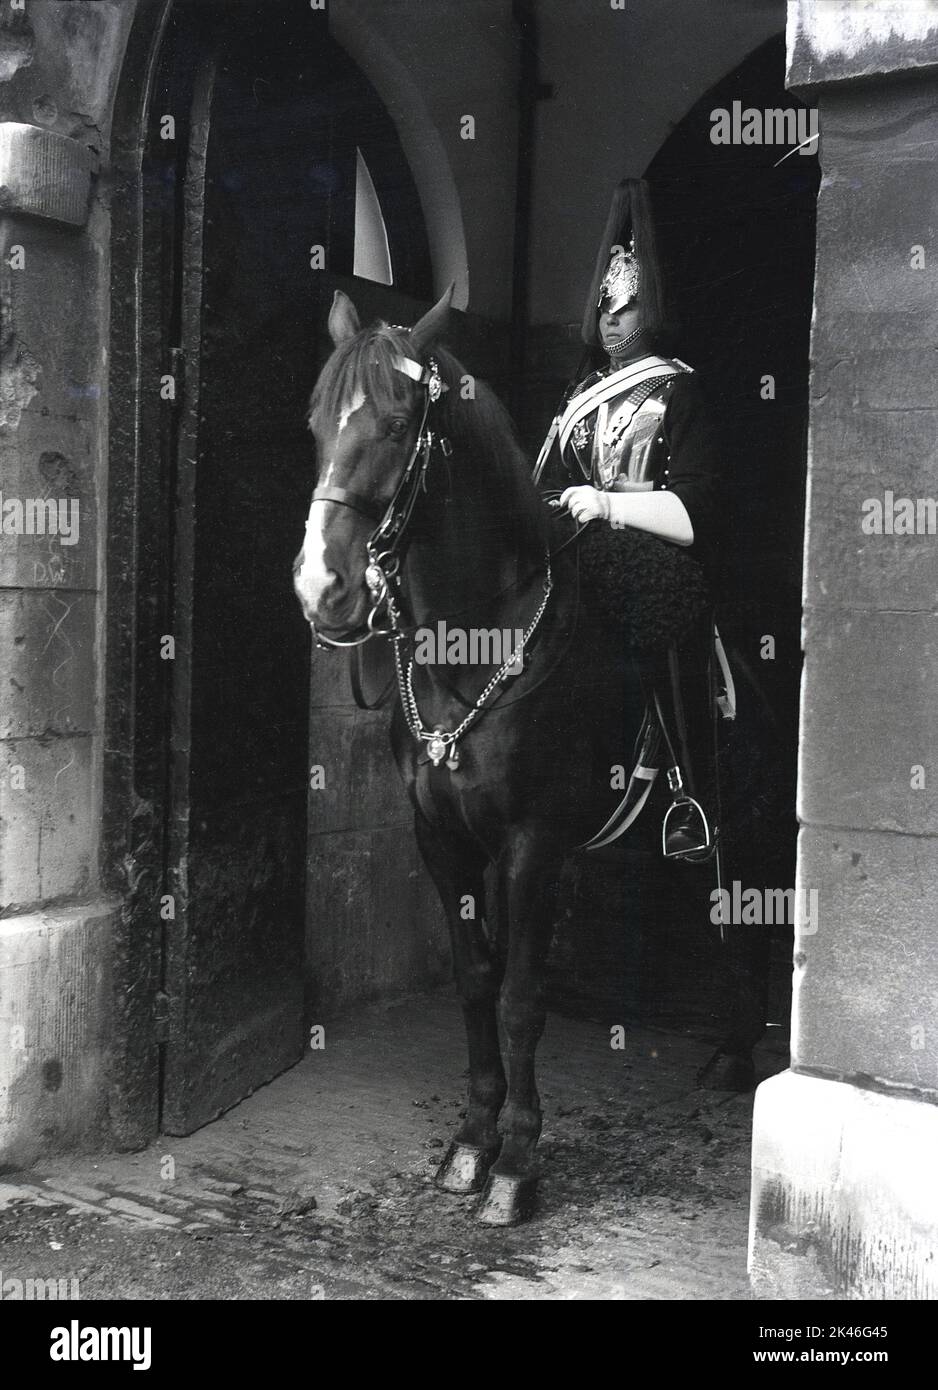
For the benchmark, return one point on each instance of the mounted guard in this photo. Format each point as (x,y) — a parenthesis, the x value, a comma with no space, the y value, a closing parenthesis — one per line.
(635,438)
(425,508)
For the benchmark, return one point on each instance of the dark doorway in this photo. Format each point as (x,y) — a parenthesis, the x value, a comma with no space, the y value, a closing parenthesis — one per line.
(278,177)
(736,229)
(738,232)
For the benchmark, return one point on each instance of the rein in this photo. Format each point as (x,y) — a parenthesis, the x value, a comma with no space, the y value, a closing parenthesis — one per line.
(503,704)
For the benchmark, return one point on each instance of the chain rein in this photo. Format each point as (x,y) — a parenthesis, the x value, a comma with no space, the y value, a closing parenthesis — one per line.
(440,743)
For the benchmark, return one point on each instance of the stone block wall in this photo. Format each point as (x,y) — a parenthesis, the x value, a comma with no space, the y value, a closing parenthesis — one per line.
(842,1189)
(57,67)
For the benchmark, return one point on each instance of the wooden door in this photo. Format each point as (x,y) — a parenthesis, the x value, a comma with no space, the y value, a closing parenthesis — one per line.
(272,125)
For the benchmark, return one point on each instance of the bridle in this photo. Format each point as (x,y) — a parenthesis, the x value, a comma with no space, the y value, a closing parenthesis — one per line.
(384,546)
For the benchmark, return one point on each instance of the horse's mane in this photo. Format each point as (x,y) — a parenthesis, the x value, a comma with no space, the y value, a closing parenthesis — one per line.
(479,428)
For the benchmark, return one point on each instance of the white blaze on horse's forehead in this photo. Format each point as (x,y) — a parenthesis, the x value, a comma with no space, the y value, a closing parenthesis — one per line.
(350,407)
(345,413)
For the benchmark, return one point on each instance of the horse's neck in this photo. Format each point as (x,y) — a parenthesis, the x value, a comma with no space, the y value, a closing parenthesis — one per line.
(466,558)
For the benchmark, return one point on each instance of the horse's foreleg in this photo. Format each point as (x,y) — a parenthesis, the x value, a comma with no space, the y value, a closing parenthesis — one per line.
(458,869)
(528,878)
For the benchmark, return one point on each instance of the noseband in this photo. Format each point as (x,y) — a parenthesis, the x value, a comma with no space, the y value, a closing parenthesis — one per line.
(384,545)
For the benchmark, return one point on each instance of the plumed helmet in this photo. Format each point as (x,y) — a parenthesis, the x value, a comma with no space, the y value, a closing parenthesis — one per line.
(627,267)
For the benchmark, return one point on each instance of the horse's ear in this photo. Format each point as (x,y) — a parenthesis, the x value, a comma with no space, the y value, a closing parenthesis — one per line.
(434,323)
(343,319)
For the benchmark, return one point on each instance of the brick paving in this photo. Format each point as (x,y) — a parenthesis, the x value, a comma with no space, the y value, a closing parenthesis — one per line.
(319,1185)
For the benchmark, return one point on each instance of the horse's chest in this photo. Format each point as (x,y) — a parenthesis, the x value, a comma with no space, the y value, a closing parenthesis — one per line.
(447,796)
(468,796)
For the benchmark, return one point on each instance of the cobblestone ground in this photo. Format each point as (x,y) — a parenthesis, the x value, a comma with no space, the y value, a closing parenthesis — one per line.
(319,1185)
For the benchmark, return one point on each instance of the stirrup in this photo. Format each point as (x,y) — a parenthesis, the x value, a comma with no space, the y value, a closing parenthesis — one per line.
(699,824)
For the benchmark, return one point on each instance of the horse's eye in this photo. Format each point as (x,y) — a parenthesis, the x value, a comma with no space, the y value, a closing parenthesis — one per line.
(397,428)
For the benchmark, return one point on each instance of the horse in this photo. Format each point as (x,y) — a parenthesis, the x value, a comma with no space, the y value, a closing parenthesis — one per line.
(425,510)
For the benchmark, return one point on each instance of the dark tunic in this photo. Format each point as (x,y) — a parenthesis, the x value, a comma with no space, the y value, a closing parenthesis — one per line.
(692,471)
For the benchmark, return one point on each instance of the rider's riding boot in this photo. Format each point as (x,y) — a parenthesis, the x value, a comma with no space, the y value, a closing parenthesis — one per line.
(685,832)
(680,687)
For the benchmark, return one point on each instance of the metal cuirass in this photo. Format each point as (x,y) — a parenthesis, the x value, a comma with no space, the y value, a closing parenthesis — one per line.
(620,446)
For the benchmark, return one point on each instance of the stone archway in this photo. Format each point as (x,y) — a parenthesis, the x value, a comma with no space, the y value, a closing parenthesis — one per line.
(420,139)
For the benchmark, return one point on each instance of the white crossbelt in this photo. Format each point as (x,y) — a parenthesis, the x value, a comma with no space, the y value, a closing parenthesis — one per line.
(619,384)
(622,381)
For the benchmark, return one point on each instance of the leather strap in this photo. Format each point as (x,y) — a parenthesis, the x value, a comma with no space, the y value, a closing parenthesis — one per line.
(621,381)
(357,681)
(344,498)
(638,791)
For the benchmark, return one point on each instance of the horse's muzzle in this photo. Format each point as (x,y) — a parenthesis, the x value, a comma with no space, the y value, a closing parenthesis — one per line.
(336,613)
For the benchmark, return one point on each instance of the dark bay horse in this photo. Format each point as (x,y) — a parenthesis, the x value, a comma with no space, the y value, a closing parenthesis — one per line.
(425,510)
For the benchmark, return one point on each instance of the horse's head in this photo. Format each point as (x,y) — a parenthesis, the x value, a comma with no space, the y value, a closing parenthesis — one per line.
(365,415)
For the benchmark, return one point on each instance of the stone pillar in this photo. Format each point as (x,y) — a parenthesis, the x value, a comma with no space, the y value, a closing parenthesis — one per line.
(844,1202)
(58,64)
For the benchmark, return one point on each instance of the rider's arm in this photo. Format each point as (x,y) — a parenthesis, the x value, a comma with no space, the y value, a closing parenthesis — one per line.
(661,513)
(685,509)
(693,466)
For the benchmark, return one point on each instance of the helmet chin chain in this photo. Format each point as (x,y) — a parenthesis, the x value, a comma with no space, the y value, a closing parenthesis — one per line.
(617,348)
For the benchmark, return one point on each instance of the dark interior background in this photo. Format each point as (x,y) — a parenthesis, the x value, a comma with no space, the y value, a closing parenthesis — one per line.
(736,232)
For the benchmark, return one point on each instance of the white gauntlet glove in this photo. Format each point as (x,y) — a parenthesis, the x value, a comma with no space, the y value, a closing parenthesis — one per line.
(586,504)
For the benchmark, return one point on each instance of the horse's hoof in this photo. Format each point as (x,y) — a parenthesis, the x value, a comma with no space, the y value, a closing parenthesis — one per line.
(507,1199)
(464,1169)
(728,1071)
